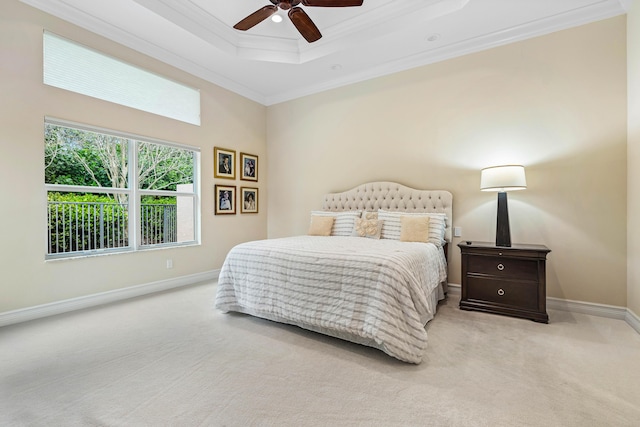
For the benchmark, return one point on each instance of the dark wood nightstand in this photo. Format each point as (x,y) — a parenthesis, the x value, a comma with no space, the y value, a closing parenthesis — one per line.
(505,280)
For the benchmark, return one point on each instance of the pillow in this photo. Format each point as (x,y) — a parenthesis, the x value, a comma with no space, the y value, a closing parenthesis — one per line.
(369,228)
(369,215)
(321,225)
(391,227)
(344,221)
(414,228)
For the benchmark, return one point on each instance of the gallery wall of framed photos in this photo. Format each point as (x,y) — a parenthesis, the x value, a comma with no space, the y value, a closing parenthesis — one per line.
(226,196)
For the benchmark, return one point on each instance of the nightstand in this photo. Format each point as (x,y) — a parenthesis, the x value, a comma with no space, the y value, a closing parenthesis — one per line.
(505,280)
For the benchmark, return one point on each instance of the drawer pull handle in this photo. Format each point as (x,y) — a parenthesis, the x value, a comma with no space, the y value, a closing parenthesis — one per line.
(501,292)
(500,267)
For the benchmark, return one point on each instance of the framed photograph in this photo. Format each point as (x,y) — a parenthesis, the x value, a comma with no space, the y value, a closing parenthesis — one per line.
(225,196)
(249,167)
(249,200)
(224,162)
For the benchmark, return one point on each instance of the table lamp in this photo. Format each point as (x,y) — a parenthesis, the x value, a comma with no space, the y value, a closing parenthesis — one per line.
(503,179)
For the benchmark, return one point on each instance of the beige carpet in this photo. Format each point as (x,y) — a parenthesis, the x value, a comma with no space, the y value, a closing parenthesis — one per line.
(171,360)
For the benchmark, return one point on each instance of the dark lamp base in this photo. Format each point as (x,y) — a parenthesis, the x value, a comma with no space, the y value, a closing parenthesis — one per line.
(503,233)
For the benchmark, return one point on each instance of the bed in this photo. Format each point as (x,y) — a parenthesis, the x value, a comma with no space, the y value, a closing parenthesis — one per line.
(374,279)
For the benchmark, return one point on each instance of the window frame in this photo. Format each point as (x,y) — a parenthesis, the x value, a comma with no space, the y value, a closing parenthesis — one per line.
(133,192)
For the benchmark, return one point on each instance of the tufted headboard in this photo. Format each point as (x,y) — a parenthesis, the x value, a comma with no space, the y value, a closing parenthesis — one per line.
(393,197)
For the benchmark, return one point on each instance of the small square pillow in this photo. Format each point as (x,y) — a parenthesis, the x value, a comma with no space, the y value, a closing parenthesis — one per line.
(414,229)
(369,215)
(369,228)
(321,225)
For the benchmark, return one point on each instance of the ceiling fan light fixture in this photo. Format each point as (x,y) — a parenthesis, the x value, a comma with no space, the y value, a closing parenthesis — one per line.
(297,15)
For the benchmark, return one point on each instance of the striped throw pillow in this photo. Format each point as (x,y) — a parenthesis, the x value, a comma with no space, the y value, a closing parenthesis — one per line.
(391,227)
(344,221)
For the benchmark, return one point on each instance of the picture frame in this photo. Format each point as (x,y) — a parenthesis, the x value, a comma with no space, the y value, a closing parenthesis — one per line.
(248,167)
(224,163)
(225,199)
(248,200)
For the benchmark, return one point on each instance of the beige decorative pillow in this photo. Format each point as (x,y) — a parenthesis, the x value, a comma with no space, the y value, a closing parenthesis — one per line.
(321,225)
(414,229)
(369,228)
(369,215)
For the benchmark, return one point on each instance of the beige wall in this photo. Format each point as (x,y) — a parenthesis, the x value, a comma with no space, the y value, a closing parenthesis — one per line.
(633,159)
(556,104)
(228,120)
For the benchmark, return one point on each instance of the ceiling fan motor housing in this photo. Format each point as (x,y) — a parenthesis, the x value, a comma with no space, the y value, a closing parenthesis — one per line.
(285,5)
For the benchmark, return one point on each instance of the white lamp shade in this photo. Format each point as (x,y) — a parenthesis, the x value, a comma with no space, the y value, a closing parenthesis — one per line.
(503,178)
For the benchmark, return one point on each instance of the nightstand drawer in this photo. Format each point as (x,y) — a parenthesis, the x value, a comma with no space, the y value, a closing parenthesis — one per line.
(503,267)
(509,293)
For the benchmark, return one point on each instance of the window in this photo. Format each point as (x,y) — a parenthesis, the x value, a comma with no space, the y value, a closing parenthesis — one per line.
(70,66)
(108,191)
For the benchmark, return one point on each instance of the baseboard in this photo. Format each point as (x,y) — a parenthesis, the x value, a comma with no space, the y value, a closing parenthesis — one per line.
(633,320)
(65,306)
(453,289)
(600,310)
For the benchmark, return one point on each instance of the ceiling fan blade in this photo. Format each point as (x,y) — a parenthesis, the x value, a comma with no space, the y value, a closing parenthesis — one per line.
(256,17)
(332,3)
(304,24)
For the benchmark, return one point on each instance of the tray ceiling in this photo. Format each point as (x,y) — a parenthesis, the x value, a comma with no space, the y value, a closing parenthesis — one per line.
(272,63)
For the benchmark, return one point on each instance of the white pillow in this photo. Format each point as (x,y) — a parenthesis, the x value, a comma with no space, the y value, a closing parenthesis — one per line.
(344,221)
(391,226)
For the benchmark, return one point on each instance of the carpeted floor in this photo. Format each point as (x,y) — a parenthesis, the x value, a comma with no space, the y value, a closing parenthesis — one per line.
(170,359)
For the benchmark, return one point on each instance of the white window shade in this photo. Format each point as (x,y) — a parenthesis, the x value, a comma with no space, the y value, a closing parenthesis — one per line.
(70,66)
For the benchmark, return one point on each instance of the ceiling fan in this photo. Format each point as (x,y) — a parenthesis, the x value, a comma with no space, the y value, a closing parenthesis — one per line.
(298,16)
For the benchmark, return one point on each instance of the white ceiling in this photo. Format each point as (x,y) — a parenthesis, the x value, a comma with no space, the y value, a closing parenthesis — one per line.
(272,63)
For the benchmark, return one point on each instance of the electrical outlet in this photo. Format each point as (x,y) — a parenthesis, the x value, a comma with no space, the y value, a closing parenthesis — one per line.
(457,231)
(169,263)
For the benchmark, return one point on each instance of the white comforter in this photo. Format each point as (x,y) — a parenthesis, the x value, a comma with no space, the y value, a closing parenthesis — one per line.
(373,292)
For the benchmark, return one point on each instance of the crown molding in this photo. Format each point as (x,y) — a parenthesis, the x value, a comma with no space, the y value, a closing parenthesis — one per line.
(248,46)
(90,23)
(595,12)
(364,28)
